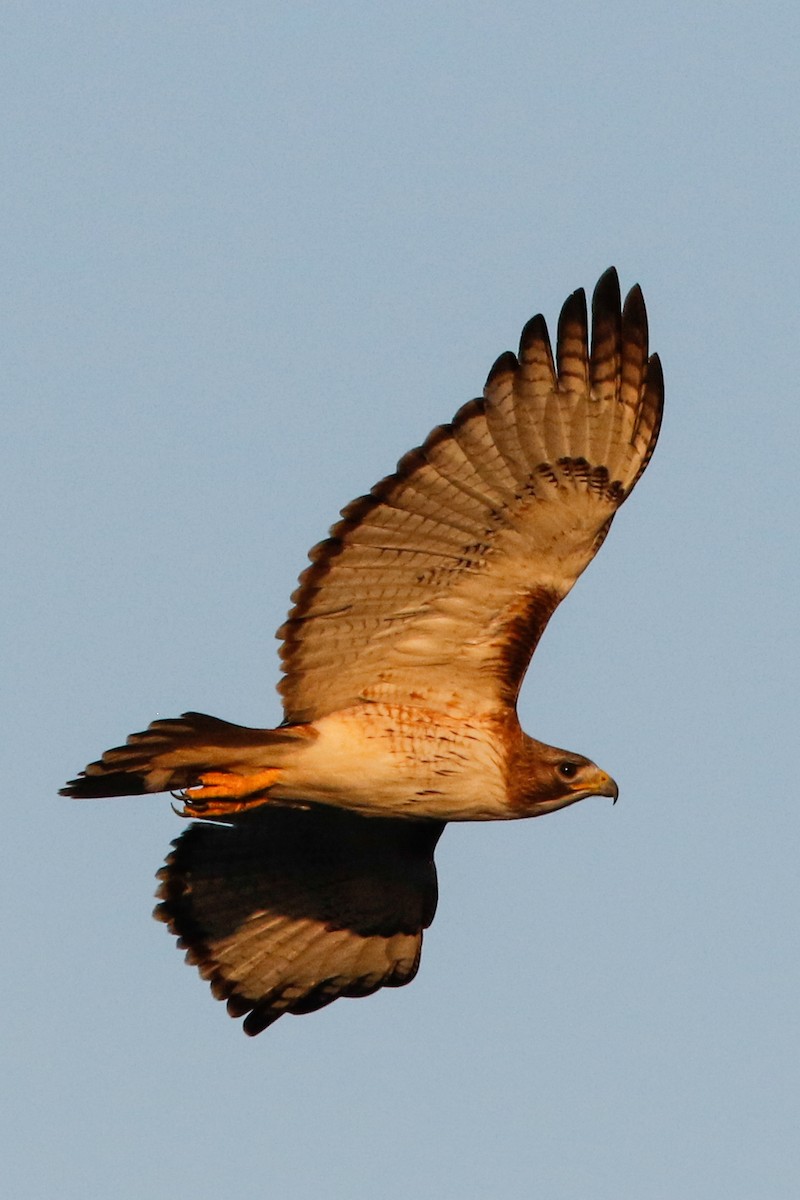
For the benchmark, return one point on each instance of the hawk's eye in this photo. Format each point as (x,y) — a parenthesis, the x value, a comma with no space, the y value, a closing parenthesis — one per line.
(567,769)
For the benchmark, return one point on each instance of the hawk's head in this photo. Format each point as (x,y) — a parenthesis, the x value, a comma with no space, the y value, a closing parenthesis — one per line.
(546,778)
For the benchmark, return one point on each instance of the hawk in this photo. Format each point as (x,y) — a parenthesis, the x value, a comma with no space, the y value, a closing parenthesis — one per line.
(309,872)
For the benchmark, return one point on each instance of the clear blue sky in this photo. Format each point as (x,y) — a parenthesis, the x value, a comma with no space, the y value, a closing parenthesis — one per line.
(251,254)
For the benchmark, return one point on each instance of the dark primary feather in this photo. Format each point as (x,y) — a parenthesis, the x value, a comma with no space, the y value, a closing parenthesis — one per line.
(289,908)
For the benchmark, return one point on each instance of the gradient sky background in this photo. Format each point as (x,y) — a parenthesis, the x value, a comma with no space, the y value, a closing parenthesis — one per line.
(252,254)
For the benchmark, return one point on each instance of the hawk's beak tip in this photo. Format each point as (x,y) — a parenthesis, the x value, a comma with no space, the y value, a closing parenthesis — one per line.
(612,790)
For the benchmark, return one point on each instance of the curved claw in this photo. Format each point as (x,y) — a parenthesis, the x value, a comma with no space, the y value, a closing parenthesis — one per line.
(184,812)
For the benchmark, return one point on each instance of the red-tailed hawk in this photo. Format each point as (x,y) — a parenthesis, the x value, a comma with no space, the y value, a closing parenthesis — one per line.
(311,875)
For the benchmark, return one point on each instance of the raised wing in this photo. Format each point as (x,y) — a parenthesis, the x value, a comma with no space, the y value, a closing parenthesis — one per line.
(435,588)
(287,909)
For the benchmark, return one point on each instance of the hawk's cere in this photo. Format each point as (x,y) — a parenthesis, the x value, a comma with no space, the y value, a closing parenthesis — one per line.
(311,874)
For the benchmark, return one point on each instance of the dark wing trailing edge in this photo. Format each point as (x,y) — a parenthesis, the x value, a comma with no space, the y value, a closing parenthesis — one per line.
(483,529)
(287,909)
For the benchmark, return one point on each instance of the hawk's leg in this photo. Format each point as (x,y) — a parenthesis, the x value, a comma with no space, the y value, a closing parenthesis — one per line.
(222,793)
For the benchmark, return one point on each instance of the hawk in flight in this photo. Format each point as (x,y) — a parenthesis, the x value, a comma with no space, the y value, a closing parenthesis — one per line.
(309,872)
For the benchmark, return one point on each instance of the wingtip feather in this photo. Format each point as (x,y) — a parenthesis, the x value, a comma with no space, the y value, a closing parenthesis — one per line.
(572,353)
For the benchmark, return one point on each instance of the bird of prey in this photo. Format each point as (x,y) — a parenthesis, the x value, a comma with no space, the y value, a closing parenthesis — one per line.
(308,873)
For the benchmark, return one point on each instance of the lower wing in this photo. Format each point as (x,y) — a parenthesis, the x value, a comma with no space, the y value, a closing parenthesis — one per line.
(287,909)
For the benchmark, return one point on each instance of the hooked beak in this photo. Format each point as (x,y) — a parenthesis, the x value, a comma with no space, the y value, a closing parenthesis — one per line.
(601,785)
(607,787)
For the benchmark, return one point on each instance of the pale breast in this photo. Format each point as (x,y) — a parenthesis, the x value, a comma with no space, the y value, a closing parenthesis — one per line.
(393,760)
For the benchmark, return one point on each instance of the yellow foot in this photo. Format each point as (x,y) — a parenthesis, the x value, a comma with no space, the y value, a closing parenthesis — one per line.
(222,793)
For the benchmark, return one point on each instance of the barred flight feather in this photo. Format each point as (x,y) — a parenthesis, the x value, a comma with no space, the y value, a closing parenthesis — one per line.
(500,508)
(505,504)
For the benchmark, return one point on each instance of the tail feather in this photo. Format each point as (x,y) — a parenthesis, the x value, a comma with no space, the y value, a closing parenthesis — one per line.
(173,752)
